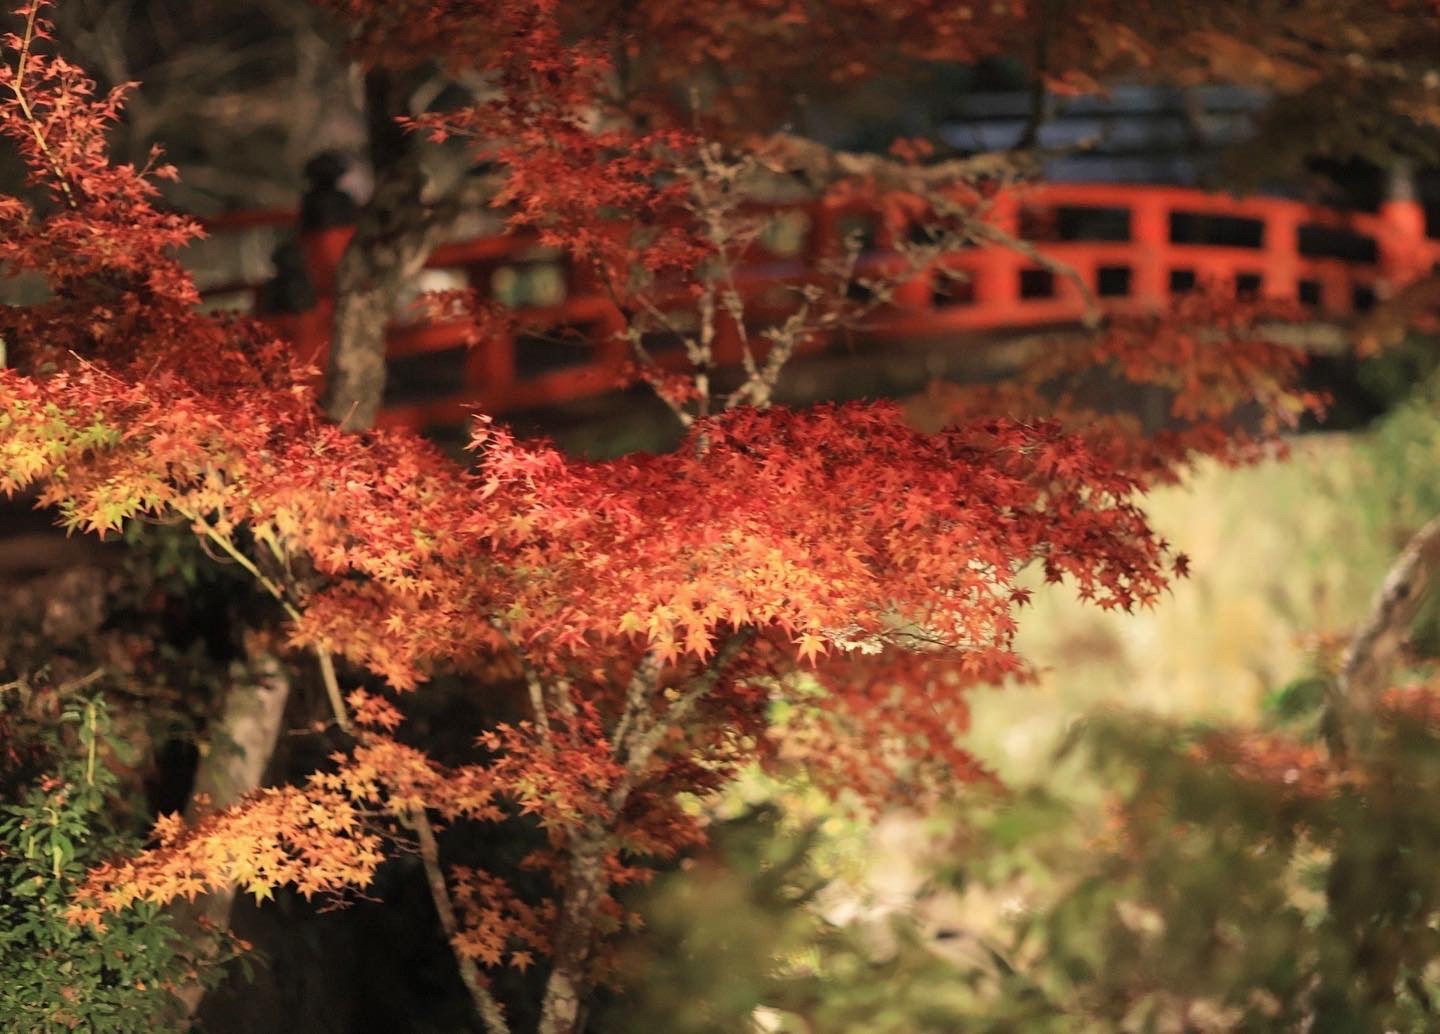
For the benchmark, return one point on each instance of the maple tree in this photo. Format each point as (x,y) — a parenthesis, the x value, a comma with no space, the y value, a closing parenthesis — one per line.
(860,561)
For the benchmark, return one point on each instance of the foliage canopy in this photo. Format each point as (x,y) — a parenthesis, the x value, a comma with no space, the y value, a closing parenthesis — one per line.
(654,609)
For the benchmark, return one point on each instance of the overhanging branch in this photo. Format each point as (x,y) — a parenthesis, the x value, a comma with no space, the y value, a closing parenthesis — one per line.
(821,165)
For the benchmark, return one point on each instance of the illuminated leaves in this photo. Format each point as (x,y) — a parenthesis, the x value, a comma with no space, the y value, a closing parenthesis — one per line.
(843,565)
(839,518)
(372,711)
(498,924)
(314,842)
(1207,354)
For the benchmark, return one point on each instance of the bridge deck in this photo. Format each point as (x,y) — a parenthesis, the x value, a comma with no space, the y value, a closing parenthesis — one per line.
(1134,247)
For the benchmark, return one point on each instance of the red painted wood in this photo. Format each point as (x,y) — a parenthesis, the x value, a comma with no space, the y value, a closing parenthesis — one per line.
(1145,264)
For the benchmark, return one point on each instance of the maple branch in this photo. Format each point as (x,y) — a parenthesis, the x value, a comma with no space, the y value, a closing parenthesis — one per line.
(75,685)
(585,888)
(533,683)
(646,740)
(822,165)
(585,882)
(489,1008)
(1373,653)
(634,335)
(735,306)
(699,686)
(759,385)
(332,691)
(731,234)
(1090,318)
(57,168)
(327,664)
(637,701)
(232,551)
(703,356)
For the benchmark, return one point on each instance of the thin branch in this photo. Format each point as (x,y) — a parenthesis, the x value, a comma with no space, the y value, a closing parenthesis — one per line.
(647,361)
(759,386)
(703,357)
(734,305)
(1374,652)
(77,684)
(646,739)
(533,683)
(698,688)
(327,664)
(995,235)
(822,165)
(491,1013)
(209,531)
(637,702)
(17,87)
(332,691)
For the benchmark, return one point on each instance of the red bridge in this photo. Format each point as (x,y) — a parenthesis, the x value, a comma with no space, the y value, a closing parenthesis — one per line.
(1133,246)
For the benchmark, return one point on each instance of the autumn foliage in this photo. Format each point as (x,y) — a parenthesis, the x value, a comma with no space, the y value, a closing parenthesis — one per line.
(861,562)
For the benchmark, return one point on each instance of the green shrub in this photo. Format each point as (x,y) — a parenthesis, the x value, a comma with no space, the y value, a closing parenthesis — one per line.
(59,803)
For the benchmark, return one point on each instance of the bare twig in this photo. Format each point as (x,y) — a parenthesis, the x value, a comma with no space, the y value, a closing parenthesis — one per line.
(989,232)
(635,335)
(822,165)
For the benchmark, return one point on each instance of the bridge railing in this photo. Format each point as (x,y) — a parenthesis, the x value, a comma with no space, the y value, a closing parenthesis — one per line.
(1134,247)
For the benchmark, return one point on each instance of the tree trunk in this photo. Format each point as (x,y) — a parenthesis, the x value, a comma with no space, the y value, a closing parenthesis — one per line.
(1373,654)
(575,931)
(394,236)
(240,751)
(368,286)
(391,243)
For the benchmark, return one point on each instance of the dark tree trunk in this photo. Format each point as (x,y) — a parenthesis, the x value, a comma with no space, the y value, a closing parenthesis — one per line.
(393,238)
(585,887)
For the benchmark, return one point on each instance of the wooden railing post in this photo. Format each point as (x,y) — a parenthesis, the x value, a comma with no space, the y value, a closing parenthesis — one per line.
(1150,242)
(1402,243)
(997,278)
(323,250)
(1281,275)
